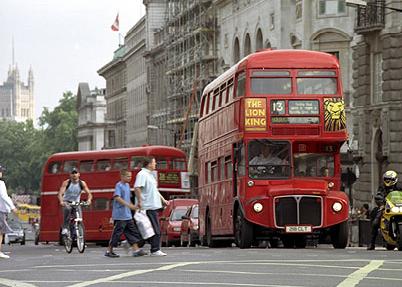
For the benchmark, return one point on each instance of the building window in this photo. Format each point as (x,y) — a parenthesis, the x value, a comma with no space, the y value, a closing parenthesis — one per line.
(331,8)
(299,10)
(377,78)
(272,18)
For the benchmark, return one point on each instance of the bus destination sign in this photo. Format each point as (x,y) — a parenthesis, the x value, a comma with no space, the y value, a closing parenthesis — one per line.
(168,178)
(303,107)
(255,114)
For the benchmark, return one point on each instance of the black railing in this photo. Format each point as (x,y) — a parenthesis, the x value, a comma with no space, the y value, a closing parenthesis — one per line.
(370,18)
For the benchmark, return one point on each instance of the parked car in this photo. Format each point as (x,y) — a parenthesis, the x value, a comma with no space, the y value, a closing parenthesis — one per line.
(18,235)
(189,233)
(170,220)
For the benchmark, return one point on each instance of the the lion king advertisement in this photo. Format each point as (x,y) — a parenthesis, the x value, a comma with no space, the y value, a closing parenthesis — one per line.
(334,117)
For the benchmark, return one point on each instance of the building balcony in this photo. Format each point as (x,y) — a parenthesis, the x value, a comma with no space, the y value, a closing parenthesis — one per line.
(370,18)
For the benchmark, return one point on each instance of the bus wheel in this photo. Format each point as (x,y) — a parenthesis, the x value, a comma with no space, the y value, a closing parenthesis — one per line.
(210,241)
(243,231)
(340,235)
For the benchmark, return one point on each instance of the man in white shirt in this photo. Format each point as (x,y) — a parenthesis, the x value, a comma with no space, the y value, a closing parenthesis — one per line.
(147,197)
(6,205)
(266,158)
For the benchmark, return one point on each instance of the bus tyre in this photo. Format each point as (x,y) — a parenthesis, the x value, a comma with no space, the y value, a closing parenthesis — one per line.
(243,231)
(340,235)
(210,241)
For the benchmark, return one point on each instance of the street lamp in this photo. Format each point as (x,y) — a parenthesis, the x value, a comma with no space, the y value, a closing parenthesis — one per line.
(364,4)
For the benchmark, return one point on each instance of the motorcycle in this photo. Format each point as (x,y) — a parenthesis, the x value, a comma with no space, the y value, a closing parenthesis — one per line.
(391,221)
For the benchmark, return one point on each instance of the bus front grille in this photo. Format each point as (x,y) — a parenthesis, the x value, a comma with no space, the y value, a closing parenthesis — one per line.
(298,210)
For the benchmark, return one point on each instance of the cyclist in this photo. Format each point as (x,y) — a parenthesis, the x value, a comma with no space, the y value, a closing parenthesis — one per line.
(70,191)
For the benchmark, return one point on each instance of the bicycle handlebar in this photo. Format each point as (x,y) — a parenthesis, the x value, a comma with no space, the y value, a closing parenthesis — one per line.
(77,203)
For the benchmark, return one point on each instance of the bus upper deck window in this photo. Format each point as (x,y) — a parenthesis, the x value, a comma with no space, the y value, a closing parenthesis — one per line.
(179,164)
(316,82)
(274,86)
(241,85)
(136,162)
(161,163)
(54,167)
(69,165)
(120,163)
(103,165)
(86,165)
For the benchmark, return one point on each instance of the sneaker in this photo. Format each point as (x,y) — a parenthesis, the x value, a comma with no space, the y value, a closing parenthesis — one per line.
(64,231)
(111,254)
(158,253)
(2,255)
(139,253)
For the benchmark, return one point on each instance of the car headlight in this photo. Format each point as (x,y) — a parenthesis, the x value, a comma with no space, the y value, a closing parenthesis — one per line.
(258,207)
(195,227)
(176,229)
(337,206)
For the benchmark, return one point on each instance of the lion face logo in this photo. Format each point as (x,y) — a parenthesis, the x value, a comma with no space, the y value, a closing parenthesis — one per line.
(335,118)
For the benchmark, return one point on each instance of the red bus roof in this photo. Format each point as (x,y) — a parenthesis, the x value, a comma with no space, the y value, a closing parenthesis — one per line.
(280,59)
(154,150)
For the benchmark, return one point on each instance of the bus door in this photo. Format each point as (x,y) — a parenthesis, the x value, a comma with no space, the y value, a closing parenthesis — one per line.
(239,169)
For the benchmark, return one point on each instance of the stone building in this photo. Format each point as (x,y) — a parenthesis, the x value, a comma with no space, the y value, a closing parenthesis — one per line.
(115,75)
(91,106)
(126,99)
(137,108)
(377,83)
(17,99)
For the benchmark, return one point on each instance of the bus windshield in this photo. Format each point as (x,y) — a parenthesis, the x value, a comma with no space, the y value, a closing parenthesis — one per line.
(268,159)
(313,165)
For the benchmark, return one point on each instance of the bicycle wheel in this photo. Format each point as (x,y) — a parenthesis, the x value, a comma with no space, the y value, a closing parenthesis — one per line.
(80,237)
(68,242)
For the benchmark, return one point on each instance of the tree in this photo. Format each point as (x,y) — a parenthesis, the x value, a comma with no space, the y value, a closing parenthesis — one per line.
(60,125)
(24,149)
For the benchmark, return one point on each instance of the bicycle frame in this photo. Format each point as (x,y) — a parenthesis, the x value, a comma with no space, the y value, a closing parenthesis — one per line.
(76,230)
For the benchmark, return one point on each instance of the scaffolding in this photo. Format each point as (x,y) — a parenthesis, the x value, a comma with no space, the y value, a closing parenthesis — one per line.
(191,56)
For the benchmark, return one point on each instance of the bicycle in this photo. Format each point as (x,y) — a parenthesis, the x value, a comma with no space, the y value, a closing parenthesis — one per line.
(76,230)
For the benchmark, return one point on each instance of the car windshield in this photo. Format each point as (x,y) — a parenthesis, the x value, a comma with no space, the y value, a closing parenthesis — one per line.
(268,159)
(177,214)
(313,165)
(15,225)
(194,213)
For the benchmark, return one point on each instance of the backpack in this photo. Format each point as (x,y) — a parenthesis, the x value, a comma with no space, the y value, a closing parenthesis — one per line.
(80,182)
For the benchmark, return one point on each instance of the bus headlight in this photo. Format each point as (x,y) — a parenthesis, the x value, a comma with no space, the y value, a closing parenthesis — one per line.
(337,206)
(250,183)
(331,184)
(257,207)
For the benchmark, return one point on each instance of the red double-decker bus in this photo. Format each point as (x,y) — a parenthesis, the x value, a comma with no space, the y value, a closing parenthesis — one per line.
(269,139)
(101,171)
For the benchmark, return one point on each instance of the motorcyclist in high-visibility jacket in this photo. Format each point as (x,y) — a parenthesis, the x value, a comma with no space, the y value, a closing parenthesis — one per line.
(390,179)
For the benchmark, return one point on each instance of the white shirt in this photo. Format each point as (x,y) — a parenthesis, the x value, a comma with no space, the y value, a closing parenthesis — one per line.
(269,160)
(6,204)
(149,190)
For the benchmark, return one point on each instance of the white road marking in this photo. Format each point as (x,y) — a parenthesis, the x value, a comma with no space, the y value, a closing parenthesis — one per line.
(14,283)
(357,276)
(131,273)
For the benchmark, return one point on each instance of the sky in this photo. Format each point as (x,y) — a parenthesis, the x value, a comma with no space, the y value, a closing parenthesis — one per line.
(64,41)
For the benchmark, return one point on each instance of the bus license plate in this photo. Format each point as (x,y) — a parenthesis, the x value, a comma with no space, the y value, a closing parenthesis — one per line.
(298,229)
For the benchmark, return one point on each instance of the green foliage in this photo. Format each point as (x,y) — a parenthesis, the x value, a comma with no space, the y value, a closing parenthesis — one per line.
(60,125)
(24,149)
